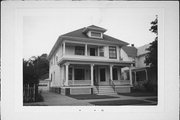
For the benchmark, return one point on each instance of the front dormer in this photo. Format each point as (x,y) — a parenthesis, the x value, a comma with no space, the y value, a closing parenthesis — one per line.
(94,32)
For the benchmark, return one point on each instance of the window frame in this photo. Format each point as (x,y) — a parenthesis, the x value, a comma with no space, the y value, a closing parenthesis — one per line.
(110,54)
(96,33)
(83,71)
(79,48)
(113,71)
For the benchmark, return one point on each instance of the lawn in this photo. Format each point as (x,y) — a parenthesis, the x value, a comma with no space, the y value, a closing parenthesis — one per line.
(122,102)
(138,94)
(152,99)
(84,97)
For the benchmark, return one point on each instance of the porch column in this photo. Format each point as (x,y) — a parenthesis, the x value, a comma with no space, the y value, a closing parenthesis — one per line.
(64,48)
(92,66)
(111,76)
(135,77)
(130,74)
(85,49)
(146,75)
(67,76)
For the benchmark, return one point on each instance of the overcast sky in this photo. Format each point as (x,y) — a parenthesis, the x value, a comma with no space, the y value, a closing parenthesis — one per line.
(130,25)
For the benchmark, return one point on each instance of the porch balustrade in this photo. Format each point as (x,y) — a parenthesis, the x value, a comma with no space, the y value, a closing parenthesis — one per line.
(79,82)
(121,82)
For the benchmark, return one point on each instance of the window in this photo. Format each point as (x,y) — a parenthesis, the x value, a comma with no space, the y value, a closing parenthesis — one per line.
(79,50)
(115,74)
(96,34)
(92,52)
(112,52)
(70,73)
(79,74)
(101,51)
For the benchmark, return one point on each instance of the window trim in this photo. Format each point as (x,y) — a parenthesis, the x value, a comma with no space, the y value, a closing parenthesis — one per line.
(115,52)
(95,36)
(79,47)
(81,72)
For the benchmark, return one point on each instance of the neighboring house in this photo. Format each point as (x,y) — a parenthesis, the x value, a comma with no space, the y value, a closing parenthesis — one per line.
(140,70)
(87,61)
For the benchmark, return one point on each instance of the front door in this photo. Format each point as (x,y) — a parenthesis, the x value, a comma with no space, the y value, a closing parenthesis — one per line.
(102,74)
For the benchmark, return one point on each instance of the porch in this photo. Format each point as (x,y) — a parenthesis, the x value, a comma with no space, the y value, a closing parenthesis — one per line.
(95,74)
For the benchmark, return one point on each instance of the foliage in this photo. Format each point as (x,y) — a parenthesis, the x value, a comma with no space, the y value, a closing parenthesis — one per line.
(34,68)
(151,57)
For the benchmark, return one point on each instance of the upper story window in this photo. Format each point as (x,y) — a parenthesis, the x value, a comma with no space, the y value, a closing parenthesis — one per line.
(95,34)
(112,52)
(79,50)
(93,52)
(101,51)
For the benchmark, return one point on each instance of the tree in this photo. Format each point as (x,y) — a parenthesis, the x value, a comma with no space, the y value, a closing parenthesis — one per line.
(151,57)
(34,68)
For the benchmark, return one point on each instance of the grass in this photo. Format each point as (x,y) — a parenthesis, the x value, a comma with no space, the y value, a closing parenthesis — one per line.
(84,97)
(152,99)
(122,102)
(138,94)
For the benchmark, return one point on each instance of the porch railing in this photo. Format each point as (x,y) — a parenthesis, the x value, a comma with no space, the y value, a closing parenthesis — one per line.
(113,85)
(79,82)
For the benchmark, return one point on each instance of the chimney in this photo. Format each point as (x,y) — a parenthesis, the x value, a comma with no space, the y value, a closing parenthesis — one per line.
(132,45)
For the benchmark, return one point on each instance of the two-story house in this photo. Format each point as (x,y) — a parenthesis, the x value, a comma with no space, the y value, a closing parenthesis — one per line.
(87,61)
(140,70)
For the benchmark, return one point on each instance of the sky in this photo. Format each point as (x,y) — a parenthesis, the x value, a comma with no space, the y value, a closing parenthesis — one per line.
(130,25)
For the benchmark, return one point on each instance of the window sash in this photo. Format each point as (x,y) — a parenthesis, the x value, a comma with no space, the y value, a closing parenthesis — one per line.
(79,50)
(101,51)
(79,74)
(112,52)
(115,74)
(96,34)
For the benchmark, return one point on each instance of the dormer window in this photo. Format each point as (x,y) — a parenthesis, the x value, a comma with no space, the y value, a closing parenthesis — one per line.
(94,34)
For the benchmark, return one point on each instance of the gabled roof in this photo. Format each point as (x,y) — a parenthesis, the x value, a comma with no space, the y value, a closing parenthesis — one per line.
(130,50)
(80,33)
(142,50)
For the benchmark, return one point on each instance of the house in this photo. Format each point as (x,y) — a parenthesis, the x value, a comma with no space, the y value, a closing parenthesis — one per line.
(87,61)
(140,70)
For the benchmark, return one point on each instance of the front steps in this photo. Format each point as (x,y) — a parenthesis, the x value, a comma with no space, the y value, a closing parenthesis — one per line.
(104,90)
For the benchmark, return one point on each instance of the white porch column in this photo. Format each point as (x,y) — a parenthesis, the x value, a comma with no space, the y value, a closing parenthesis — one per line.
(92,66)
(130,74)
(111,76)
(146,75)
(67,76)
(73,75)
(135,77)
(85,49)
(64,48)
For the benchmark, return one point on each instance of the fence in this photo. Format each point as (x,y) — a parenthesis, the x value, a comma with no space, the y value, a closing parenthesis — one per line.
(29,93)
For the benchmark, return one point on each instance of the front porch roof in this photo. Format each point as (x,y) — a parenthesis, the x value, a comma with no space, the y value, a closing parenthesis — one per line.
(98,62)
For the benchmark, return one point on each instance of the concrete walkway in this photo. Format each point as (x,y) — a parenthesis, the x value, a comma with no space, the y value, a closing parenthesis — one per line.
(54,99)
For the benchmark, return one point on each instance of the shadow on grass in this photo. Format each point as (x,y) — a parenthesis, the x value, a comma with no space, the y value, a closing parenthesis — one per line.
(84,97)
(122,102)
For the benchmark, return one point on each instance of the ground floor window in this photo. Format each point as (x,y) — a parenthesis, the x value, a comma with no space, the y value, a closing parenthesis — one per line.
(70,73)
(115,74)
(79,74)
